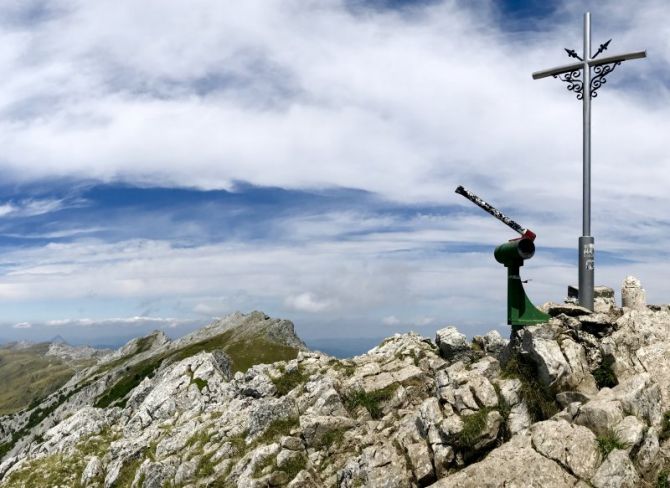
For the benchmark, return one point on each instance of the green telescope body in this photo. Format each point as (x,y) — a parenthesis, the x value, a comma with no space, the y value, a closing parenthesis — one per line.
(520,310)
(512,254)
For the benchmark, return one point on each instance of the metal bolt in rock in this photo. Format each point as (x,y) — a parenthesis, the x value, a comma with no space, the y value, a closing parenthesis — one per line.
(579,79)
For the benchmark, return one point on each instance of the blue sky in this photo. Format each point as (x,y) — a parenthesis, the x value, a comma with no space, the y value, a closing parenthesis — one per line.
(300,158)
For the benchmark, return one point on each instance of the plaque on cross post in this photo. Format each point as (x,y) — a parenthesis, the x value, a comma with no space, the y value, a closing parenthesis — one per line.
(585,83)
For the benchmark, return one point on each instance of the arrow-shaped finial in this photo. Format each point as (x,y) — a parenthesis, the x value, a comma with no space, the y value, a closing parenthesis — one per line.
(603,47)
(572,54)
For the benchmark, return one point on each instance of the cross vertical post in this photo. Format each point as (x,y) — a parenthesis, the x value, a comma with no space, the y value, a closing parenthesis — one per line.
(586,241)
(580,81)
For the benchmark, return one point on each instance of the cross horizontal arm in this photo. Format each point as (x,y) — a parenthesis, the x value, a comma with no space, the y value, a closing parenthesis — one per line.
(617,58)
(593,62)
(557,71)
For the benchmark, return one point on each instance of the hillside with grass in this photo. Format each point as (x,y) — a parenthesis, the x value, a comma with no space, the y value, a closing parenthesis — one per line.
(581,400)
(29,374)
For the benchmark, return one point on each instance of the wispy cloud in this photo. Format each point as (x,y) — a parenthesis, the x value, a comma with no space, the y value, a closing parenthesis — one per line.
(400,105)
(118,322)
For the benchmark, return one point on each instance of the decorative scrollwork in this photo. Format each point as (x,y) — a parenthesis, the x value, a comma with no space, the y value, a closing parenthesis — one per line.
(598,78)
(574,81)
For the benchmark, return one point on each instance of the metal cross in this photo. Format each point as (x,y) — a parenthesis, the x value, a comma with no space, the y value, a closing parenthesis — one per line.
(579,79)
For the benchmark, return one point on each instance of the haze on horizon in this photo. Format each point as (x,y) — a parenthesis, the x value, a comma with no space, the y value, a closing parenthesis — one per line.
(164,163)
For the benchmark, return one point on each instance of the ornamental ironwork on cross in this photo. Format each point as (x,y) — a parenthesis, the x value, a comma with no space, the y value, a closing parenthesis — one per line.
(580,81)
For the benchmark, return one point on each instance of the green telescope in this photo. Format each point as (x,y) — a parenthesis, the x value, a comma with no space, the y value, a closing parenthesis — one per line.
(512,254)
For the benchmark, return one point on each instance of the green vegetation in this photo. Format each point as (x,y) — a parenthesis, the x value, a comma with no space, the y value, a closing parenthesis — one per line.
(61,470)
(504,408)
(294,465)
(609,442)
(36,417)
(539,399)
(277,428)
(54,470)
(665,427)
(662,480)
(347,369)
(332,437)
(205,466)
(288,381)
(258,469)
(371,401)
(28,376)
(473,425)
(244,353)
(199,382)
(127,473)
(133,377)
(604,375)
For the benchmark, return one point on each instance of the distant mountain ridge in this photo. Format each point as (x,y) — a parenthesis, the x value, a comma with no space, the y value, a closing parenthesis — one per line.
(581,400)
(238,341)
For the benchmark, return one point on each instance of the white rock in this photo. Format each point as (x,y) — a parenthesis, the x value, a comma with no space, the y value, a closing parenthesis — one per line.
(569,445)
(617,471)
(453,345)
(633,295)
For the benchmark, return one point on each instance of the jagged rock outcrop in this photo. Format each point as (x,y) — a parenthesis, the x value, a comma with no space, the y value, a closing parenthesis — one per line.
(579,401)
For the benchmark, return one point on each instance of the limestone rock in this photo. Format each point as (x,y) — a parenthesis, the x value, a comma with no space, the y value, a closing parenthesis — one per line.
(617,471)
(540,344)
(453,345)
(633,295)
(514,464)
(491,343)
(571,446)
(601,416)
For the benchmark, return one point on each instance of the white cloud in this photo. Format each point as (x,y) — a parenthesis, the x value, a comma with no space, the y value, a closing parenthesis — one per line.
(118,321)
(22,325)
(307,94)
(391,320)
(30,207)
(307,302)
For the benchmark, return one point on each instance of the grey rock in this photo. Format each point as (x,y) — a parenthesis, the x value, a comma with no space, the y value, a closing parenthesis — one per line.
(514,464)
(491,343)
(452,344)
(566,398)
(93,472)
(600,415)
(571,446)
(539,343)
(630,431)
(646,457)
(617,471)
(422,465)
(315,428)
(568,309)
(633,295)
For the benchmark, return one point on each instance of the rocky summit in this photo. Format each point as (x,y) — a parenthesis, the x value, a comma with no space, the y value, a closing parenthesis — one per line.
(583,400)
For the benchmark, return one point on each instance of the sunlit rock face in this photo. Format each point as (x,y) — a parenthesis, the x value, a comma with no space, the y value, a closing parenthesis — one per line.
(579,401)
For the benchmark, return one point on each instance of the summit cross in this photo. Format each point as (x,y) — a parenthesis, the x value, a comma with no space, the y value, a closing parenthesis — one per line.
(579,79)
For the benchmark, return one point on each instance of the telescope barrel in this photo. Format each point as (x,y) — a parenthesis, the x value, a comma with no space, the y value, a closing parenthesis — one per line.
(495,212)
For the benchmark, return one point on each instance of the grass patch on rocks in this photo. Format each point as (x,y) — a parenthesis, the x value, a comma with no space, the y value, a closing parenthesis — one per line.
(277,428)
(372,401)
(539,399)
(665,427)
(199,382)
(294,465)
(604,374)
(133,377)
(288,381)
(609,442)
(473,425)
